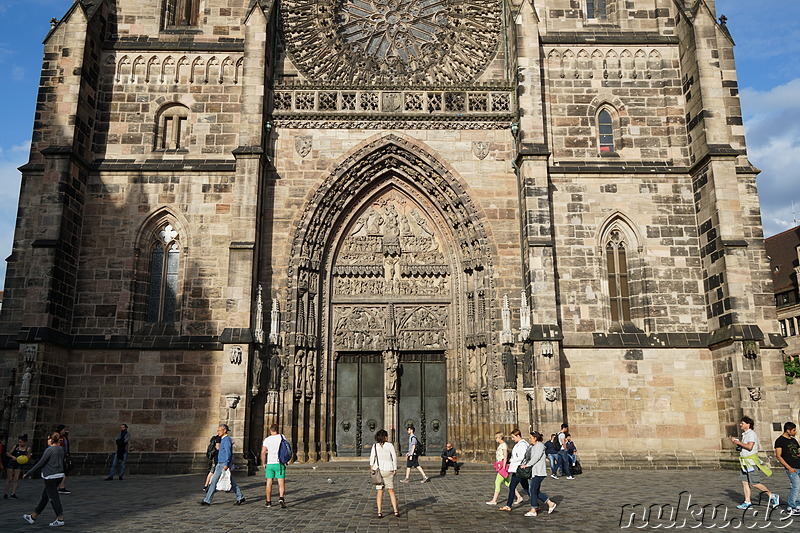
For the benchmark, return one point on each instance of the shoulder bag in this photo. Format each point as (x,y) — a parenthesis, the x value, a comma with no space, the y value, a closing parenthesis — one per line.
(375,476)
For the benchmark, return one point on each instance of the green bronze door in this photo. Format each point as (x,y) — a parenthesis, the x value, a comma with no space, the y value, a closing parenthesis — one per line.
(359,403)
(422,400)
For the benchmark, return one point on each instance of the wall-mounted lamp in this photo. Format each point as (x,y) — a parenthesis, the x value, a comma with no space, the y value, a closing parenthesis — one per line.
(515,130)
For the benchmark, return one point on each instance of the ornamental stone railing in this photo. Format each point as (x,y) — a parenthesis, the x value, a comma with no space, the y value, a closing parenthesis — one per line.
(473,103)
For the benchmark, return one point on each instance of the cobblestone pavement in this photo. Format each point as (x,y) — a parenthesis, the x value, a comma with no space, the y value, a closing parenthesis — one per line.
(339,498)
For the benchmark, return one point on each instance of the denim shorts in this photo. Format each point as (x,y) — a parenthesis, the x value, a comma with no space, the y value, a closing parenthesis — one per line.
(275,471)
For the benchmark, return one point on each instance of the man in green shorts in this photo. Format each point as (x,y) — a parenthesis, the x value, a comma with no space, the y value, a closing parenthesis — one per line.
(273,469)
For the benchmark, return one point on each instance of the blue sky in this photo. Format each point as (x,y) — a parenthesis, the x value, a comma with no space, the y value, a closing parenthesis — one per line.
(767,35)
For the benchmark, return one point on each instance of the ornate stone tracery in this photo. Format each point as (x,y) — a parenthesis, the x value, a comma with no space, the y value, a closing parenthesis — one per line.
(392,41)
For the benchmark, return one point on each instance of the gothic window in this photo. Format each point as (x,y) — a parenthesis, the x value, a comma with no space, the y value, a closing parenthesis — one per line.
(596,9)
(792,331)
(617,267)
(162,294)
(783,327)
(180,13)
(605,130)
(171,133)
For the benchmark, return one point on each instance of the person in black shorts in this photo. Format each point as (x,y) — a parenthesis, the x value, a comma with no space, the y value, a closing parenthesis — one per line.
(14,468)
(212,452)
(412,456)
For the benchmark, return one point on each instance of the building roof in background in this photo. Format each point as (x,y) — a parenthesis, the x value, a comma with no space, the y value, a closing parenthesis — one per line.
(782,252)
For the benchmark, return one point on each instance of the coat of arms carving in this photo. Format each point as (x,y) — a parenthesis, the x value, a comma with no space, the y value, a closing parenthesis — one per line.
(302,143)
(480,149)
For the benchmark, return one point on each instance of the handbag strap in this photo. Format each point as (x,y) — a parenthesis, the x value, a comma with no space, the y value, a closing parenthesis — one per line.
(377,461)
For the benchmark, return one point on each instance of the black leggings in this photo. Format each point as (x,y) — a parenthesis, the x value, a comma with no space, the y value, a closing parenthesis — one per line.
(50,493)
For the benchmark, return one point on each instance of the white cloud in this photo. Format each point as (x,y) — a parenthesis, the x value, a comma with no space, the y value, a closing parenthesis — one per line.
(773,138)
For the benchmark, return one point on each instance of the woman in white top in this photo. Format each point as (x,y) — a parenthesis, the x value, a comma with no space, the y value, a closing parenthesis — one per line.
(501,454)
(383,457)
(536,458)
(517,456)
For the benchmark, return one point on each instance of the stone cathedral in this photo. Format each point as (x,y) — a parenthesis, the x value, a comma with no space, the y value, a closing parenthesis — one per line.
(347,215)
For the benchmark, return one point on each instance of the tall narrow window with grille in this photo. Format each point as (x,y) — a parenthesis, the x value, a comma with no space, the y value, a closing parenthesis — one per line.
(617,267)
(596,9)
(180,13)
(163,289)
(605,128)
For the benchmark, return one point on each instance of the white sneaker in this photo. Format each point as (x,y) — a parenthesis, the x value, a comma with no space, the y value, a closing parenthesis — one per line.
(775,500)
(491,503)
(56,523)
(28,518)
(570,477)
(425,479)
(553,476)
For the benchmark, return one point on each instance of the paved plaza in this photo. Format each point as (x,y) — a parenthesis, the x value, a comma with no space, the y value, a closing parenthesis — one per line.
(337,497)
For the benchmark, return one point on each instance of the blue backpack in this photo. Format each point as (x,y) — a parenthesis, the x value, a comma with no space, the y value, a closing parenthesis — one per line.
(285,451)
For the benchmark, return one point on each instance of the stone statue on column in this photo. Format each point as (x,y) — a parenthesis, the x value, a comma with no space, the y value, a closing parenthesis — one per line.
(510,367)
(392,367)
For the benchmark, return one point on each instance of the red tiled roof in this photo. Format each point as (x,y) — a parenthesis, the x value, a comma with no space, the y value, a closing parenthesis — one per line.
(782,252)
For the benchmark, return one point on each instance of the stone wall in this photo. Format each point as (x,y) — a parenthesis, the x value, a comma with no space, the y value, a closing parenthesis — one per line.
(629,407)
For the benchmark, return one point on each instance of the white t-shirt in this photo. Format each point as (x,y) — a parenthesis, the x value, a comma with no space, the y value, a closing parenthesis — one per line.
(749,436)
(272,444)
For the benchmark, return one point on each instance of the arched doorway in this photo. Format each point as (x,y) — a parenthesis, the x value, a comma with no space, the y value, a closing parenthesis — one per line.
(389,315)
(391,321)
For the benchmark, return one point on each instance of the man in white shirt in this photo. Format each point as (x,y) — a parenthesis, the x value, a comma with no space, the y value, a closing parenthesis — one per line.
(562,453)
(750,464)
(273,469)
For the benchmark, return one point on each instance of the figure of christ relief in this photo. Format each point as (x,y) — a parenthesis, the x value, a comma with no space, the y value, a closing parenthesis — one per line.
(391,269)
(299,370)
(392,226)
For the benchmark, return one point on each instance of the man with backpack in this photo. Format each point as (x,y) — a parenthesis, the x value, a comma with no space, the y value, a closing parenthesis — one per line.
(275,454)
(412,456)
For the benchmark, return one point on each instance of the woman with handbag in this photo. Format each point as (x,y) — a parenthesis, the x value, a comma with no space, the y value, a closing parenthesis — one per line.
(501,467)
(535,460)
(52,466)
(383,467)
(517,477)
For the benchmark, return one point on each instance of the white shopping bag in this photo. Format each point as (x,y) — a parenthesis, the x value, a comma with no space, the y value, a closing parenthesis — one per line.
(224,483)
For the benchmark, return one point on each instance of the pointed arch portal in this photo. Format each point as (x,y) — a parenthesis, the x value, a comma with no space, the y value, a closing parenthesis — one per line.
(389,292)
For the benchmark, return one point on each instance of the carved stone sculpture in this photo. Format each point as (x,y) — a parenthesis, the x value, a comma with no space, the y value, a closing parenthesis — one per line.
(274,371)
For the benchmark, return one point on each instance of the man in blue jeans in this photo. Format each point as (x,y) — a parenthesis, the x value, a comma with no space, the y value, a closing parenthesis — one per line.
(563,455)
(121,455)
(787,451)
(224,462)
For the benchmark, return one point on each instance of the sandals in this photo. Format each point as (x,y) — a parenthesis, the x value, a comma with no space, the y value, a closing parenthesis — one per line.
(380,515)
(505,508)
(397,513)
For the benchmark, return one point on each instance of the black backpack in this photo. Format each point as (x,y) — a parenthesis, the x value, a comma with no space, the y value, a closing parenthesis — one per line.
(211,451)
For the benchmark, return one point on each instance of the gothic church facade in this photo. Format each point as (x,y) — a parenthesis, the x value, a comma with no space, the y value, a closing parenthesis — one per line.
(341,216)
